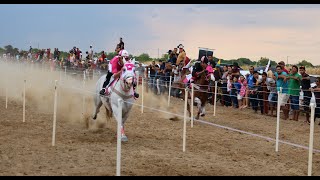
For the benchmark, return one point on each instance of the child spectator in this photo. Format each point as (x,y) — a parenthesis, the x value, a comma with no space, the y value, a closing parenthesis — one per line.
(243,91)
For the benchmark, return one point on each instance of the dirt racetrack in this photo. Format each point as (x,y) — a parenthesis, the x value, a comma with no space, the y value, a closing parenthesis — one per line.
(155,142)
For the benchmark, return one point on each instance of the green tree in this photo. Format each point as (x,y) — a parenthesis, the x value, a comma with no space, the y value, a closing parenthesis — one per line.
(2,51)
(305,63)
(143,57)
(111,55)
(264,61)
(244,61)
(9,49)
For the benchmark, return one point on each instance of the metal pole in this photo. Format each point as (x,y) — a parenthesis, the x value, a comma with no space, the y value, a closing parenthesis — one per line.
(24,101)
(191,103)
(119,137)
(142,95)
(278,119)
(185,121)
(215,98)
(313,107)
(169,96)
(54,114)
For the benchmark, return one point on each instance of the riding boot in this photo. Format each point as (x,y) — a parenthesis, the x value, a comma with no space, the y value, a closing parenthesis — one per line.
(105,84)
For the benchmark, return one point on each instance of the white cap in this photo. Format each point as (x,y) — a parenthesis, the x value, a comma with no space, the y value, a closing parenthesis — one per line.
(124,53)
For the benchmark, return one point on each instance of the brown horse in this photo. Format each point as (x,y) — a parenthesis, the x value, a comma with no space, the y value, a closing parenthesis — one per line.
(200,94)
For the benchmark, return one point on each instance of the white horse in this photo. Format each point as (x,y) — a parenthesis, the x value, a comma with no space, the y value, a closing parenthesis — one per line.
(121,88)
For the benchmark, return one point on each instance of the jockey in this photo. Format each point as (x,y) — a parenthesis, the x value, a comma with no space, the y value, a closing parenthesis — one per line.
(115,69)
(197,69)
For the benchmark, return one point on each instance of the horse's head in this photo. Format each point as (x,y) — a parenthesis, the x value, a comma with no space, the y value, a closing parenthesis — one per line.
(128,73)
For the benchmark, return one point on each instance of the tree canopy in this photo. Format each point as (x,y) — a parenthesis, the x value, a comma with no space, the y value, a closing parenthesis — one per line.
(305,63)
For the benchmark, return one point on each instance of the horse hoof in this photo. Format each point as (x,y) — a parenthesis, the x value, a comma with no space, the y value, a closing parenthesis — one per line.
(94,117)
(124,139)
(203,115)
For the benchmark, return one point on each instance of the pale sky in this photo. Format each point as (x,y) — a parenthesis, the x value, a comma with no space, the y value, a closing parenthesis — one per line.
(251,31)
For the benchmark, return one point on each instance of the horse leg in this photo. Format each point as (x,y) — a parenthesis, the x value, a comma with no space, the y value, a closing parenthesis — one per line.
(198,101)
(125,116)
(203,111)
(97,109)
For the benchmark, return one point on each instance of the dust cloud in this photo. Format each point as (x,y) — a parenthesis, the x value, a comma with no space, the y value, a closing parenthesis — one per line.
(40,86)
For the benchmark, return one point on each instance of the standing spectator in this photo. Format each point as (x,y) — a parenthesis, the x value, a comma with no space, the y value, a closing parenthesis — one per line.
(225,95)
(250,85)
(235,70)
(270,73)
(153,69)
(170,59)
(78,54)
(55,54)
(141,70)
(88,56)
(294,91)
(182,56)
(253,92)
(58,54)
(273,96)
(283,66)
(103,56)
(316,91)
(307,95)
(281,77)
(121,44)
(243,91)
(175,52)
(234,92)
(90,53)
(263,94)
(49,53)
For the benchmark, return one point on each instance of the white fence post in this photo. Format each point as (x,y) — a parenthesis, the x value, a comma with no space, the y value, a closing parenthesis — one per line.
(278,119)
(65,72)
(191,104)
(185,121)
(54,114)
(24,101)
(215,98)
(313,107)
(83,98)
(7,87)
(142,94)
(120,103)
(138,78)
(7,97)
(158,87)
(169,96)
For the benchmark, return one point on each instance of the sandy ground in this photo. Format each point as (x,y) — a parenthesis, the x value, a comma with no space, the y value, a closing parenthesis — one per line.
(155,142)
